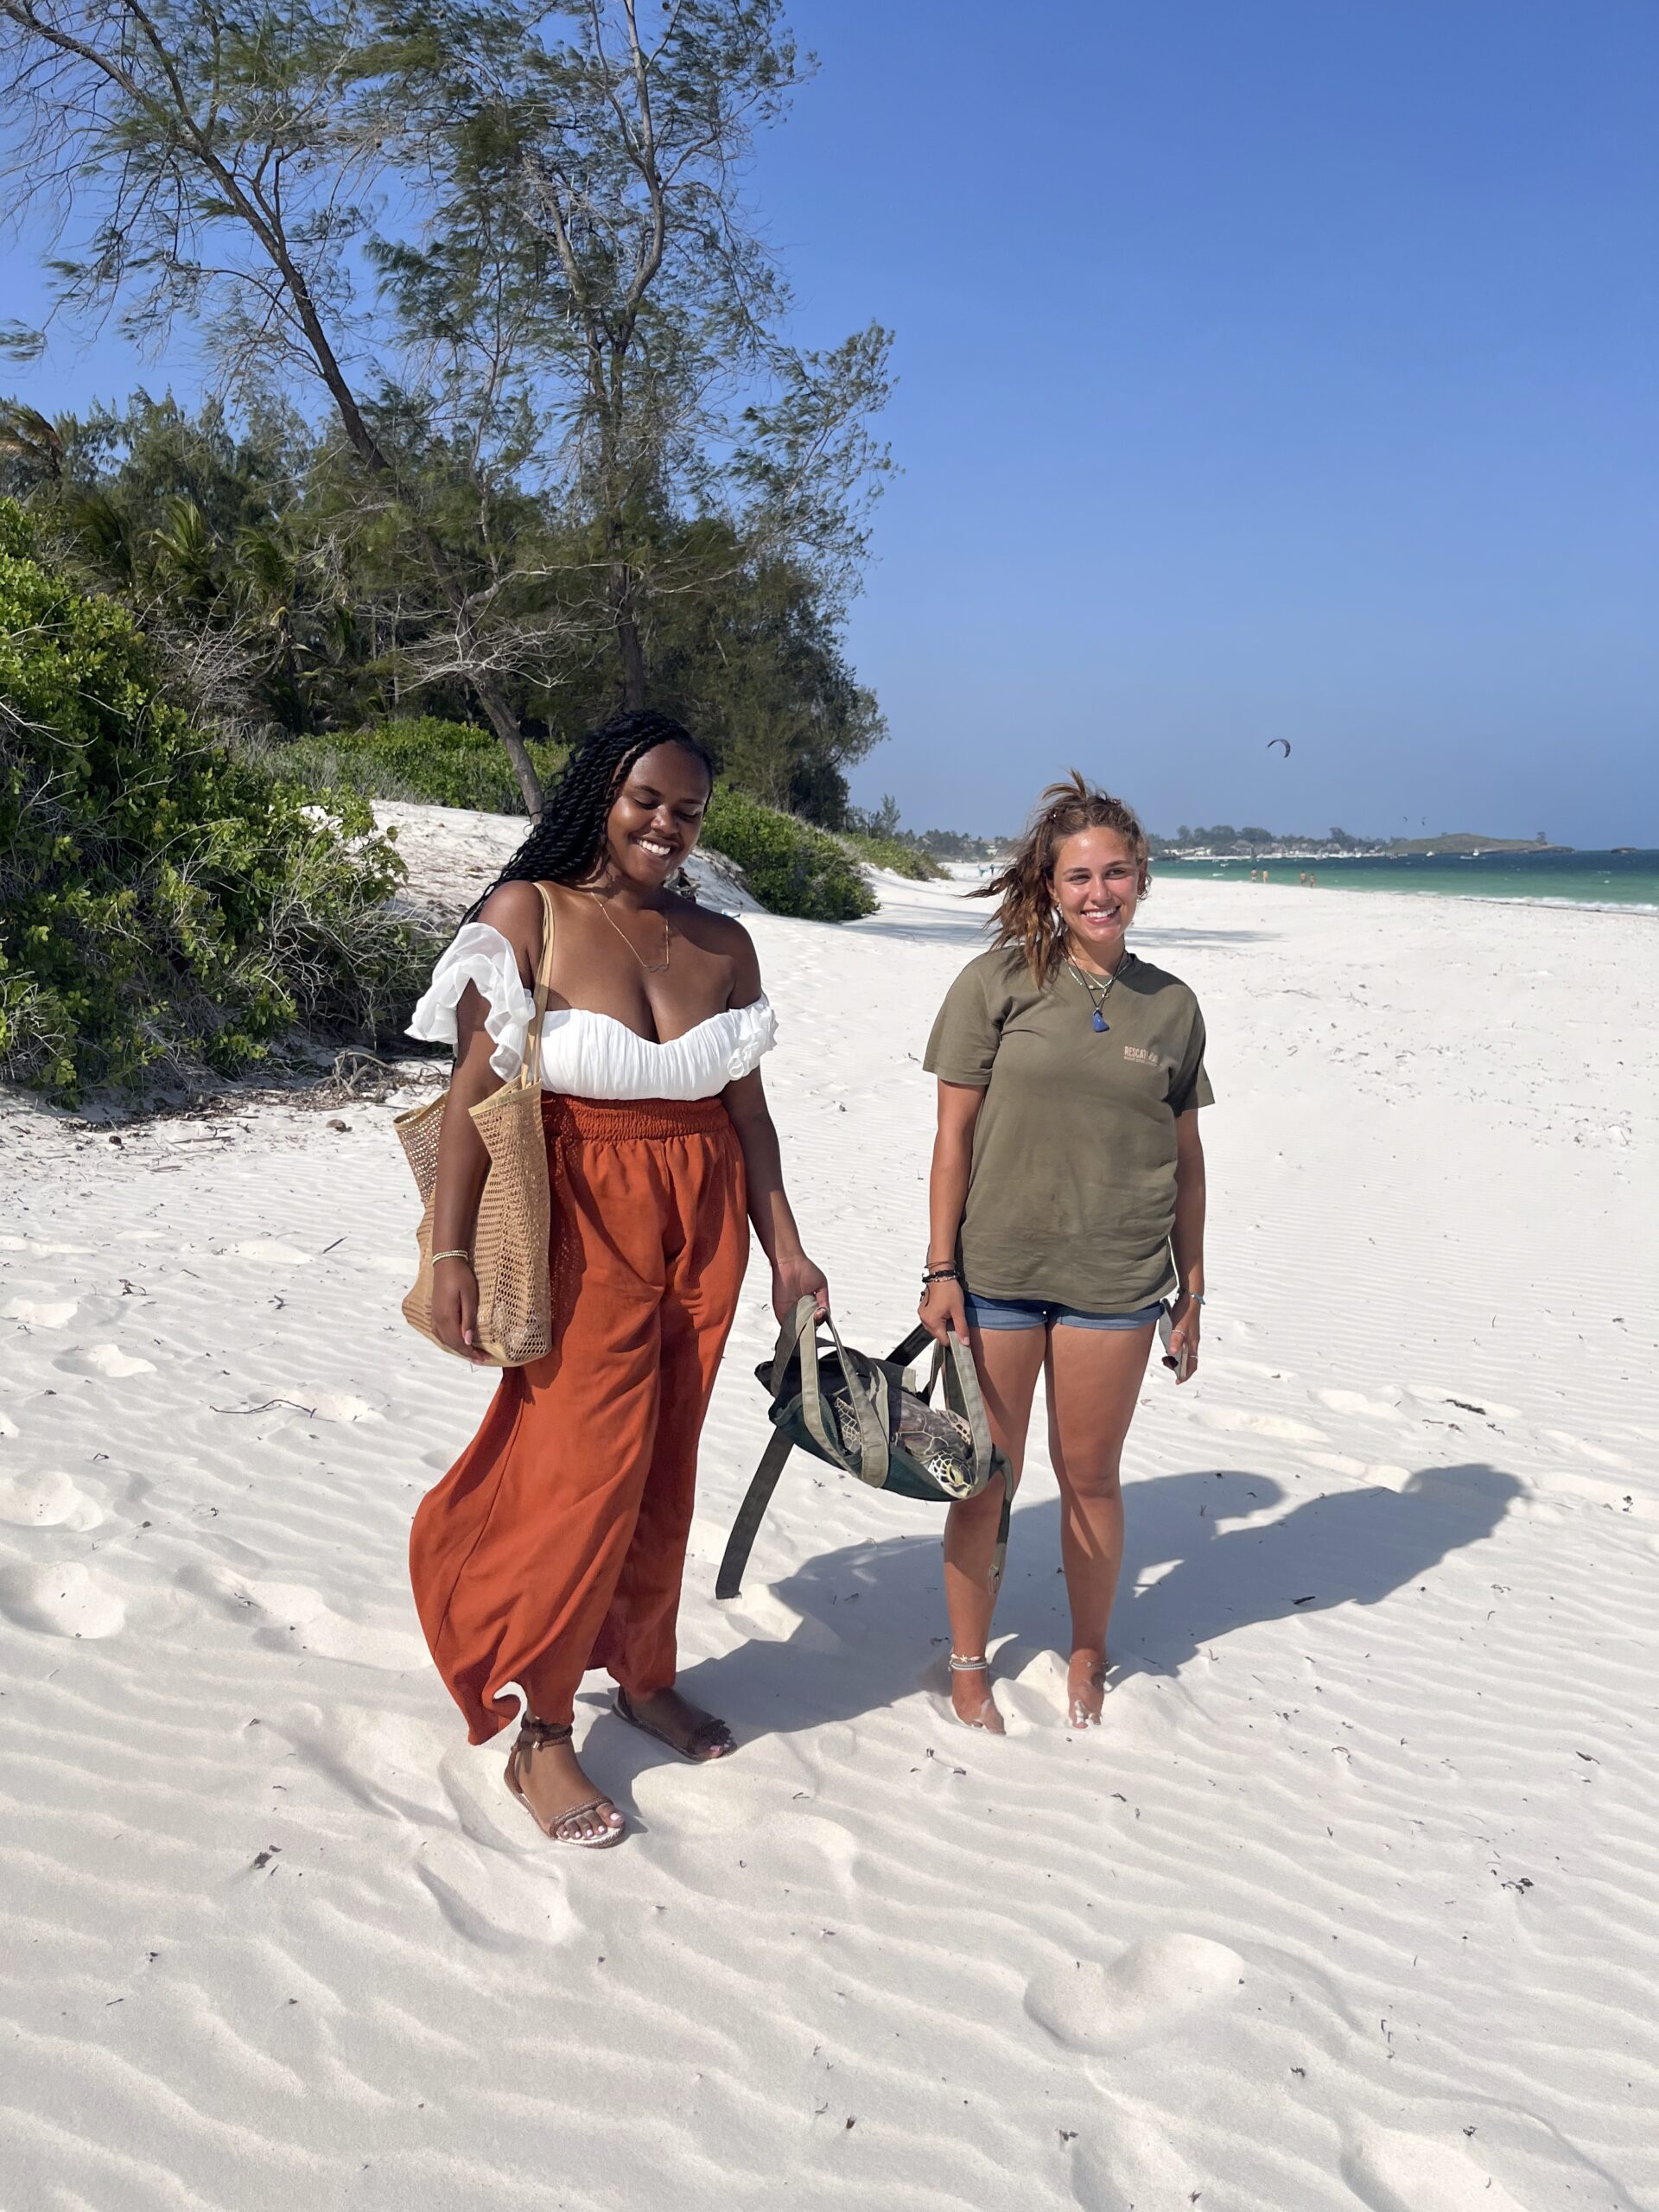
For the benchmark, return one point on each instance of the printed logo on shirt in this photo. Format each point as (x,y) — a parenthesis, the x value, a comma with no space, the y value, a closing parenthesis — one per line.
(1140,1053)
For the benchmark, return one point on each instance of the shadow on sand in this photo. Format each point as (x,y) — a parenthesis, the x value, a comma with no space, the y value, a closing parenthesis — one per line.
(868,1619)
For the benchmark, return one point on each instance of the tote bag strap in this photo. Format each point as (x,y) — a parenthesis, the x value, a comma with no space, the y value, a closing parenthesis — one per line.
(872,1434)
(962,1389)
(533,1067)
(801,1331)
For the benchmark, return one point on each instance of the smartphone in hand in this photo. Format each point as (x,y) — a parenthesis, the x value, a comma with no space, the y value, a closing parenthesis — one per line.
(1183,1364)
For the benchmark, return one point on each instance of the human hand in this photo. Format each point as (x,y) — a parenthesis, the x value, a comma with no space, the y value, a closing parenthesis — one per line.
(455,1309)
(943,1309)
(795,1279)
(1185,1322)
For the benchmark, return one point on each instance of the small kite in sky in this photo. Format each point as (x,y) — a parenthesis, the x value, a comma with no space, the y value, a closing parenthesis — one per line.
(1285,742)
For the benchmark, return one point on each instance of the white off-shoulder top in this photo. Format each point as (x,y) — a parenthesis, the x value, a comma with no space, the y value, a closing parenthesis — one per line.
(586,1055)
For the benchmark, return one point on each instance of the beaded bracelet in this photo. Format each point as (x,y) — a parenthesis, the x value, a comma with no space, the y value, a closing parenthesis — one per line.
(940,1274)
(436,1256)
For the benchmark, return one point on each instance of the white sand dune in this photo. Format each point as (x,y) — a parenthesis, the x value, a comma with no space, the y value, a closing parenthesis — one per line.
(1353,1902)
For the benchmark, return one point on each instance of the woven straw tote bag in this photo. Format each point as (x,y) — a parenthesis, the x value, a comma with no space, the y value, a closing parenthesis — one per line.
(510,1243)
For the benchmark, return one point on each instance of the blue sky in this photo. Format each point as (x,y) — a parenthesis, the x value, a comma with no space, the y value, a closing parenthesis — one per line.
(1282,370)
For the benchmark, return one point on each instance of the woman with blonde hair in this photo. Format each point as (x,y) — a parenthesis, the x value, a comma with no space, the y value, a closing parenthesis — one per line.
(1066,1203)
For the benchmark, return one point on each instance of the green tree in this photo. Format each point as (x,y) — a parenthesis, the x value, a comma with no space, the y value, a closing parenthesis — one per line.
(229,153)
(590,198)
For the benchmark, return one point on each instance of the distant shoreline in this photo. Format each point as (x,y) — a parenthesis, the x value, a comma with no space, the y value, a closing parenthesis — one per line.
(1623,881)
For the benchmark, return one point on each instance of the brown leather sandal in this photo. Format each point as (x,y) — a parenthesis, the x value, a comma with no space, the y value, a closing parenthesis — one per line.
(710,1740)
(532,1736)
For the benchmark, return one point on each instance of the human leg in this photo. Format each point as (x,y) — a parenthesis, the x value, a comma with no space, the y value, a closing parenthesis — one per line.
(1094,1376)
(1008,1361)
(706,1246)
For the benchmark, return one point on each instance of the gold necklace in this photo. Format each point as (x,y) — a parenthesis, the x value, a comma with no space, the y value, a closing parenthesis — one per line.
(652,968)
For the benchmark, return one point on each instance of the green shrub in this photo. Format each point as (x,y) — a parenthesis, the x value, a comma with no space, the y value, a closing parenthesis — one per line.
(163,906)
(791,868)
(419,758)
(897,854)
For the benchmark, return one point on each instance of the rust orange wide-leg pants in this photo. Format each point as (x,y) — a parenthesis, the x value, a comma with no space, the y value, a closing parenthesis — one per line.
(557,1539)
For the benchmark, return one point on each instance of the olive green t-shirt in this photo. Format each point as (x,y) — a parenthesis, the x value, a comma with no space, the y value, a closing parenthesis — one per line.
(1072,1195)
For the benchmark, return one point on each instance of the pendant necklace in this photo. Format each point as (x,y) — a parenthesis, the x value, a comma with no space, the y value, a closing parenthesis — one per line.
(1099,992)
(651,967)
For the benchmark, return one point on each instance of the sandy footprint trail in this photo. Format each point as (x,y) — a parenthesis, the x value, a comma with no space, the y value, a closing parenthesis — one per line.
(1350,1904)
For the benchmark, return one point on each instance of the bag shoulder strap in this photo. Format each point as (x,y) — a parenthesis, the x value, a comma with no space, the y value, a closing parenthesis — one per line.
(750,1514)
(532,1070)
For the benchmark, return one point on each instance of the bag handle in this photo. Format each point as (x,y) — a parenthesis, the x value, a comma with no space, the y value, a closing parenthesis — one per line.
(531,1071)
(800,1333)
(964,1398)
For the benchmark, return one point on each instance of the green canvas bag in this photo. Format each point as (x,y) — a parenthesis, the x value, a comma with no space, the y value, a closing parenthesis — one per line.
(864,1416)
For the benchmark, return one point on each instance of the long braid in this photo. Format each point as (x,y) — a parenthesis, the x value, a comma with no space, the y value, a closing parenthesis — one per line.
(1026,886)
(568,837)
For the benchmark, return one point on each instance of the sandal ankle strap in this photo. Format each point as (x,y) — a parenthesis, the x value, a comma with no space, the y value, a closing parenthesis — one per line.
(533,1734)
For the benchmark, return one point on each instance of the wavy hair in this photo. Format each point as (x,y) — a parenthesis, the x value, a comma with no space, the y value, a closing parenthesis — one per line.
(568,837)
(1027,915)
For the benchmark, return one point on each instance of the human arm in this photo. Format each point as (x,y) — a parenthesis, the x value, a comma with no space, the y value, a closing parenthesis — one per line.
(463,1158)
(1186,1240)
(941,1307)
(793,1274)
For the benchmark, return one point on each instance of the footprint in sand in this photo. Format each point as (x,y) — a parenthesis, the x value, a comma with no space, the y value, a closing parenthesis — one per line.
(1394,2172)
(48,1501)
(300,1619)
(1236,1422)
(67,1601)
(42,1312)
(1148,1991)
(1137,2165)
(106,1360)
(1355,1401)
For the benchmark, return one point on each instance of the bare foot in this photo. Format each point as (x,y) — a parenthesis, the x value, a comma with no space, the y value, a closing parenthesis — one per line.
(971,1700)
(684,1728)
(564,1802)
(1085,1688)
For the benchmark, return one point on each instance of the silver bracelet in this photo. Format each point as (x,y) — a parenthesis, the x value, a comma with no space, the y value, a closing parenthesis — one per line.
(1197,1296)
(436,1256)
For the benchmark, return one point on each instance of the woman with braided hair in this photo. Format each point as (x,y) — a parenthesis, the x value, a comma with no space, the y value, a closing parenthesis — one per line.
(1066,1203)
(556,1541)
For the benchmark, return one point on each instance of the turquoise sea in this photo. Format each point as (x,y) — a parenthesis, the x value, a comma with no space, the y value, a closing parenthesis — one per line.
(1621,879)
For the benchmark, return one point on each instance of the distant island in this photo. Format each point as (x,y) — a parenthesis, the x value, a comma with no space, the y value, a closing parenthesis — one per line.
(1222,841)
(1219,841)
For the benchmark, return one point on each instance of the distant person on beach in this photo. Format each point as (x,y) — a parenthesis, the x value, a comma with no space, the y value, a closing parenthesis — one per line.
(1066,1203)
(556,1541)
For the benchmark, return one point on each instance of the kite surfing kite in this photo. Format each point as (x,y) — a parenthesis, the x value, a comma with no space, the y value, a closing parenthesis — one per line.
(1285,742)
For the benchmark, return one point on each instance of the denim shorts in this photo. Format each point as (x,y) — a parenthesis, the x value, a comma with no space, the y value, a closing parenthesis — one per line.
(1048,1313)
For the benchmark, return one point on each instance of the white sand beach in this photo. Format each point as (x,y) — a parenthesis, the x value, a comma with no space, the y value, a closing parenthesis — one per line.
(1354,1900)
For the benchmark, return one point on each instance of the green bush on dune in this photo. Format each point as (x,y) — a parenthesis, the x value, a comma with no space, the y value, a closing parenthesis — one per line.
(418,758)
(164,908)
(897,854)
(791,868)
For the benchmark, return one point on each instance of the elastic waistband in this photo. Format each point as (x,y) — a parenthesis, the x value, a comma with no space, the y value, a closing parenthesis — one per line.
(628,1120)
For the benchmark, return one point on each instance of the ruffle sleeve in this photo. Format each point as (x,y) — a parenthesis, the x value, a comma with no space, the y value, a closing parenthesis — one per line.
(481,956)
(757,1032)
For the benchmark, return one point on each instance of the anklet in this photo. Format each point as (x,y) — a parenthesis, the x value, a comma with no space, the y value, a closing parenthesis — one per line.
(961,1666)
